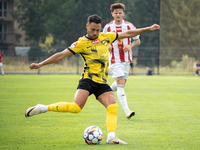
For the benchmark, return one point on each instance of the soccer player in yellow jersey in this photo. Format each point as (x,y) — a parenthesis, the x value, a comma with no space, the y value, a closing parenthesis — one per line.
(93,48)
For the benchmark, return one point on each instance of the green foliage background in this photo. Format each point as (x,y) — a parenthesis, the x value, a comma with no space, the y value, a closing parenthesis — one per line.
(179,34)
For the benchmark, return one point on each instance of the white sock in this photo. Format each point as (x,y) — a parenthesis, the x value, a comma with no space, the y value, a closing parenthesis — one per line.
(111,135)
(114,86)
(2,71)
(44,108)
(122,98)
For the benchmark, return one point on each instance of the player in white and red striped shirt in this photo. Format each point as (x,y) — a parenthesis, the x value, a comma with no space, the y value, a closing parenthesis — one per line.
(1,64)
(120,54)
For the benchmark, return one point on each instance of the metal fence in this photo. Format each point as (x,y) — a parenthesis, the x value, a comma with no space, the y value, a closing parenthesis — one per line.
(153,58)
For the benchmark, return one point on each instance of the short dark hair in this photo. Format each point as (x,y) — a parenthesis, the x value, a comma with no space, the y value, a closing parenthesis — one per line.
(94,18)
(117,6)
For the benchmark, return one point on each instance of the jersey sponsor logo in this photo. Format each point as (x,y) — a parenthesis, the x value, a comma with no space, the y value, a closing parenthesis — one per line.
(95,41)
(74,44)
(119,29)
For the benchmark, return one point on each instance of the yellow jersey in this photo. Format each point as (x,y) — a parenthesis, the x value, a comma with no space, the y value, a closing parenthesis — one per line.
(95,55)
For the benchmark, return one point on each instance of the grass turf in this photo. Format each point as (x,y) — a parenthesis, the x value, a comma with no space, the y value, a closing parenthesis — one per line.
(167,113)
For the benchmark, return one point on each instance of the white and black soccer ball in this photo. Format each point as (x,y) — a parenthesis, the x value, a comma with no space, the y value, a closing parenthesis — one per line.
(93,135)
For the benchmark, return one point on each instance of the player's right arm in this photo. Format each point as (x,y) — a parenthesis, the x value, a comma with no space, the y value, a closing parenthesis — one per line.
(52,59)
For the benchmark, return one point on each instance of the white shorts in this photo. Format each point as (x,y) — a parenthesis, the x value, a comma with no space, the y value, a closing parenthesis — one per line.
(120,69)
(1,64)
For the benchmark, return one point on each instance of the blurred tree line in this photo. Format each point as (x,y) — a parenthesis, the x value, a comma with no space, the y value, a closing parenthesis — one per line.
(180,30)
(66,21)
(144,13)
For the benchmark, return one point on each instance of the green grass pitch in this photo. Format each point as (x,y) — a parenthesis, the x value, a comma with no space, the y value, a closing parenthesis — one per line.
(167,114)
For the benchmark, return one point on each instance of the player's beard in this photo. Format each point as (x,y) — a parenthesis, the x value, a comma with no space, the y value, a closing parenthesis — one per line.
(93,37)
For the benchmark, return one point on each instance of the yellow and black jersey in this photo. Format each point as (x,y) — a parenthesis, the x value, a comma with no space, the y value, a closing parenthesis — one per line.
(95,55)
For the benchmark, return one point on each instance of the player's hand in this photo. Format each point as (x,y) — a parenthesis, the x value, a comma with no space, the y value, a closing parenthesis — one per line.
(154,27)
(127,48)
(35,66)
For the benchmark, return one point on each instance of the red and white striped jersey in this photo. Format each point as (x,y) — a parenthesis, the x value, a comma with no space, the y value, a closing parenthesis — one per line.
(117,55)
(1,55)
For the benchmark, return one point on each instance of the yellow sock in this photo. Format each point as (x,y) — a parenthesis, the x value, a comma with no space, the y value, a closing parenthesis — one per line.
(64,107)
(111,120)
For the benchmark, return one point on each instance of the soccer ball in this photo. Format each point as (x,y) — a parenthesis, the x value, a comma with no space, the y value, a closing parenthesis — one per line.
(93,135)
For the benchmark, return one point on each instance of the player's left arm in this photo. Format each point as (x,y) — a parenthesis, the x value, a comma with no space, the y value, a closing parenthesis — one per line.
(135,43)
(132,33)
(52,59)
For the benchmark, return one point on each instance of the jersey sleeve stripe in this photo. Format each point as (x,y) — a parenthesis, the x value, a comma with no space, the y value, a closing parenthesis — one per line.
(71,51)
(116,37)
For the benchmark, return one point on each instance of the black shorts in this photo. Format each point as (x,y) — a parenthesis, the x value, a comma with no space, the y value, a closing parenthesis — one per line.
(93,87)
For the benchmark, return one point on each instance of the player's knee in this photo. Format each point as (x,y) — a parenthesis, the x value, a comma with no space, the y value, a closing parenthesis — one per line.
(120,81)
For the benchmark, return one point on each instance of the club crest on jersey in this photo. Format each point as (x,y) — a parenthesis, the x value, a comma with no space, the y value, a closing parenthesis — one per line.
(119,41)
(74,44)
(95,41)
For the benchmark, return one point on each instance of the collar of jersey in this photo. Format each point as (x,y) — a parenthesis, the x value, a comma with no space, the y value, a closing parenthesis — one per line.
(91,39)
(119,24)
